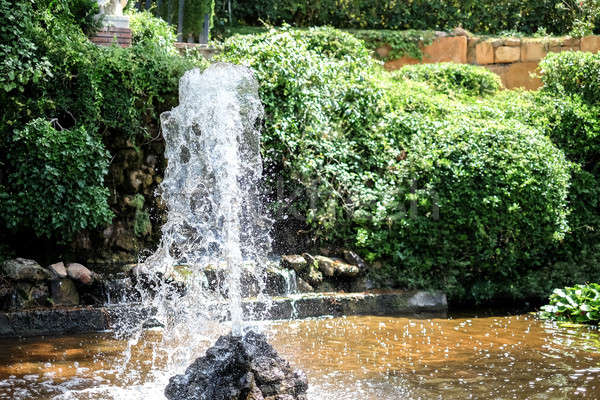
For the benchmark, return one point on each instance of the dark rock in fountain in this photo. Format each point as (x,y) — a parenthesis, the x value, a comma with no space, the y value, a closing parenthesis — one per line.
(237,368)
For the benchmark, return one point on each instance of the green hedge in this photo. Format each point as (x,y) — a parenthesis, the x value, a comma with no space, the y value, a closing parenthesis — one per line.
(451,77)
(481,16)
(572,73)
(441,186)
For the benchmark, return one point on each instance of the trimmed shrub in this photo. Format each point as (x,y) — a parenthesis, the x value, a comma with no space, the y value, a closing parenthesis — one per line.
(55,184)
(572,73)
(483,200)
(451,77)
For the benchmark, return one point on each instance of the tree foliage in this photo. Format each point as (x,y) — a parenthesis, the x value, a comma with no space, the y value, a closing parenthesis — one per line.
(480,16)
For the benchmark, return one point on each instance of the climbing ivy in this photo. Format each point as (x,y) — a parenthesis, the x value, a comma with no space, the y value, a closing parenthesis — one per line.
(402,43)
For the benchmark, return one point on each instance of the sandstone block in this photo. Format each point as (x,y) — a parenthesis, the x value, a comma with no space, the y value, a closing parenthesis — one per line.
(471,44)
(513,42)
(507,54)
(532,51)
(484,53)
(571,42)
(446,49)
(400,62)
(590,43)
(517,75)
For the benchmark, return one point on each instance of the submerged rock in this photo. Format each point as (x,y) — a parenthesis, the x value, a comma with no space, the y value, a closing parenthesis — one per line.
(24,269)
(237,368)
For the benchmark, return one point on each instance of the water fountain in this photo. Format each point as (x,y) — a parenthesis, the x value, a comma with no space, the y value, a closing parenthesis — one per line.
(215,222)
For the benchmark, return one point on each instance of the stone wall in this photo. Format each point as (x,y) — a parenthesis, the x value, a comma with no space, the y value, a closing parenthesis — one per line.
(135,173)
(513,59)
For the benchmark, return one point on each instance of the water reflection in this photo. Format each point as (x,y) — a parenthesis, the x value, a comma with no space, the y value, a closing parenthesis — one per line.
(345,358)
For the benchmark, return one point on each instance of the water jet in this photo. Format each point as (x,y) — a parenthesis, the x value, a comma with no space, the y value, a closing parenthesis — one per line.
(216,220)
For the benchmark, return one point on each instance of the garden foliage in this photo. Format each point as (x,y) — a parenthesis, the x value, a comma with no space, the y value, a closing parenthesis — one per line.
(572,74)
(56,181)
(451,77)
(432,173)
(96,98)
(580,304)
(441,186)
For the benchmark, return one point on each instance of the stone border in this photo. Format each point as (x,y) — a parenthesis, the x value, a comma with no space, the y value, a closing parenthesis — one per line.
(513,59)
(62,321)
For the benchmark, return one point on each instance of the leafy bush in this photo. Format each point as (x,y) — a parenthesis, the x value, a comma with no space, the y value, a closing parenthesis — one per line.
(580,304)
(145,28)
(477,206)
(119,92)
(20,63)
(451,77)
(585,12)
(481,16)
(55,186)
(83,13)
(445,194)
(572,73)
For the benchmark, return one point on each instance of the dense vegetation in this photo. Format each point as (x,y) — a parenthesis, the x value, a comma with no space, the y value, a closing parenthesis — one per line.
(431,171)
(65,101)
(439,178)
(480,16)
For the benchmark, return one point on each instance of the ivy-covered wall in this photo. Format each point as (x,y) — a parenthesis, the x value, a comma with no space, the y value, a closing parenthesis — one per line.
(80,150)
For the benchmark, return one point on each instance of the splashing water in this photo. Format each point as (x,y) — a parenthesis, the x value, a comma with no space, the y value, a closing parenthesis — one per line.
(215,240)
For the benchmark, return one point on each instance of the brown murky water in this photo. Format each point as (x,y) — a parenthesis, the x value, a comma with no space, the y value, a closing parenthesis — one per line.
(345,358)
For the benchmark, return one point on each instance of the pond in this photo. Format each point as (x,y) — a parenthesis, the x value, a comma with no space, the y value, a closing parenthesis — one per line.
(464,357)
